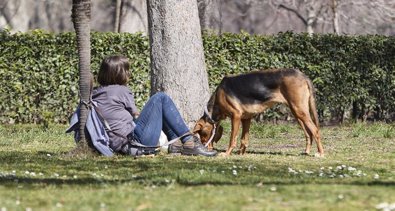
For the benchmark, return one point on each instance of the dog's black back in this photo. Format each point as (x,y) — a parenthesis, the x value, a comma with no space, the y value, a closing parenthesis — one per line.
(255,87)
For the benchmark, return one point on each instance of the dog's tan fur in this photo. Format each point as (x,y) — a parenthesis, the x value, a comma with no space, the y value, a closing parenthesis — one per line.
(292,88)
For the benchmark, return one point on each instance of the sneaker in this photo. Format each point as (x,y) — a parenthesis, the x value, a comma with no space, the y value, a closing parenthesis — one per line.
(175,148)
(194,146)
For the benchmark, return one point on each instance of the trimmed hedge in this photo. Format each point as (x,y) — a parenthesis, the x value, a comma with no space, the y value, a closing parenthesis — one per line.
(353,75)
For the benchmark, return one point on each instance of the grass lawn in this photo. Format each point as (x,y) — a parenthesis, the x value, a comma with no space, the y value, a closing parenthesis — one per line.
(358,173)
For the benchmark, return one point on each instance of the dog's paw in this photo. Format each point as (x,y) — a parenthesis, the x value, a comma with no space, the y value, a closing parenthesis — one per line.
(223,154)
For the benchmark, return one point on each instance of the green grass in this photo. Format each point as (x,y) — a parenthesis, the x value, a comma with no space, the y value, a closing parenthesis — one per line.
(358,173)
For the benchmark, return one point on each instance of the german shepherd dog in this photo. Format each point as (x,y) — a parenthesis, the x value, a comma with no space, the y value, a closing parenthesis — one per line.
(241,97)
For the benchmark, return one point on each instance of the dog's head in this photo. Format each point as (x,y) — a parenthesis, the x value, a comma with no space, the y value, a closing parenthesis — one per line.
(205,129)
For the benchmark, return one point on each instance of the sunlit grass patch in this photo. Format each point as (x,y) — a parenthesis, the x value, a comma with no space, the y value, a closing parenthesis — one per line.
(357,173)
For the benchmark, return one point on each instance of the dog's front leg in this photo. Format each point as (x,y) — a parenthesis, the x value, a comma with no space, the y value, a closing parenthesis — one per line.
(245,135)
(233,135)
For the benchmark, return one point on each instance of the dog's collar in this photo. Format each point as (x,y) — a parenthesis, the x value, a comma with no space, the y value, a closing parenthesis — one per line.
(210,120)
(212,136)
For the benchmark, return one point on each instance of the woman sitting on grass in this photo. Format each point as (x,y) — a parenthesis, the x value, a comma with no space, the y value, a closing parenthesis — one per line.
(117,105)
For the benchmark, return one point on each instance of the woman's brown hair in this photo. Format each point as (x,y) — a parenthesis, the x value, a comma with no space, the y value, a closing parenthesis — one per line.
(114,70)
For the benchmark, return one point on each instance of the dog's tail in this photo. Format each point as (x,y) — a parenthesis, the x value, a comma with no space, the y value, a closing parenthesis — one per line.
(312,104)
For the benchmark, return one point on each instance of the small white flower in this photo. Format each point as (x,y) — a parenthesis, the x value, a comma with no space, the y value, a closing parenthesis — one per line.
(234,172)
(308,172)
(17,202)
(32,174)
(3,209)
(340,196)
(48,155)
(201,171)
(341,176)
(322,168)
(382,206)
(358,173)
(273,188)
(56,174)
(40,174)
(330,168)
(343,166)
(75,177)
(338,167)
(13,171)
(235,167)
(250,167)
(376,176)
(59,204)
(321,174)
(102,205)
(351,168)
(27,172)
(28,209)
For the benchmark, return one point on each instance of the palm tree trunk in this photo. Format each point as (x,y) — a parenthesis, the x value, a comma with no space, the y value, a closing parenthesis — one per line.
(81,13)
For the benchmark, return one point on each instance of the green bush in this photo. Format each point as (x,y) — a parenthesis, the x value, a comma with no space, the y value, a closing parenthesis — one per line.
(353,75)
(39,76)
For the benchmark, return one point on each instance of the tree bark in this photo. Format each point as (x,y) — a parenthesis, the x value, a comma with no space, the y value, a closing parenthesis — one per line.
(177,55)
(118,14)
(81,19)
(336,28)
(203,6)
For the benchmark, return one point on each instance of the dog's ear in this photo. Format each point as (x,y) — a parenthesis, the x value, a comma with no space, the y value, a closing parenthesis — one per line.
(218,134)
(198,127)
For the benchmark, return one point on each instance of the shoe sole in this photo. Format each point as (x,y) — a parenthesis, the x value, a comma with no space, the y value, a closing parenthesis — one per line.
(193,154)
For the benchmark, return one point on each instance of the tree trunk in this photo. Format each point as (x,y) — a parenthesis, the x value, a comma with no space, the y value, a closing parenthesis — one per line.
(336,27)
(203,14)
(311,16)
(118,13)
(177,55)
(81,18)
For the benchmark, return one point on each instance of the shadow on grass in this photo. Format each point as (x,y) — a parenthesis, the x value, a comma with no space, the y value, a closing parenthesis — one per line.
(255,152)
(185,171)
(39,182)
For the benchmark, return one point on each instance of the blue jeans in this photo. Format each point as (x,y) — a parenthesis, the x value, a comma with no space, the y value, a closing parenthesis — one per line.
(159,114)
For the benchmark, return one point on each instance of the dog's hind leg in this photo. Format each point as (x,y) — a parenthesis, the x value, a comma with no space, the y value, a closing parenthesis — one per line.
(315,134)
(310,129)
(245,135)
(306,134)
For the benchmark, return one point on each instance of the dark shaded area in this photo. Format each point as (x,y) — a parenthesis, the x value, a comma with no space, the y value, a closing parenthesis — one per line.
(152,171)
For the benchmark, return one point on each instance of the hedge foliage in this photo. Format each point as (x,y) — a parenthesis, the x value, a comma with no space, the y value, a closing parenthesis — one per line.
(353,75)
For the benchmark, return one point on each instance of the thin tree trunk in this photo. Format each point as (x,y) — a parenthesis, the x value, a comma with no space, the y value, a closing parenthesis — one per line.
(118,10)
(81,20)
(310,19)
(336,27)
(203,14)
(177,55)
